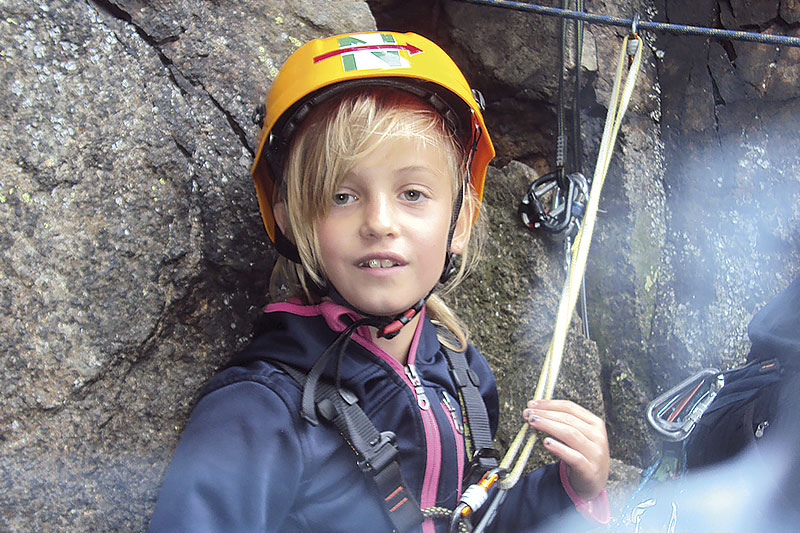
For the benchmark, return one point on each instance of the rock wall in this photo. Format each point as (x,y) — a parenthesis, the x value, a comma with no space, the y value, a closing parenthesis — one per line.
(133,258)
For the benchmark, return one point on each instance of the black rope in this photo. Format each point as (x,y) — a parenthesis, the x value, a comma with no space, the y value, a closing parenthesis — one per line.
(679,29)
(577,149)
(561,135)
(568,154)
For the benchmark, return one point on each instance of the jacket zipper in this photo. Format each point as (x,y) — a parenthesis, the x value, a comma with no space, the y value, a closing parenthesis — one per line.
(433,455)
(453,413)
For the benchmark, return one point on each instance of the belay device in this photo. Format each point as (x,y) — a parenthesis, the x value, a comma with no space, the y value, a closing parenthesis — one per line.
(555,205)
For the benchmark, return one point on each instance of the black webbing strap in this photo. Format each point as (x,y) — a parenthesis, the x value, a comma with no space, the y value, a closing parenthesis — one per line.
(375,451)
(476,419)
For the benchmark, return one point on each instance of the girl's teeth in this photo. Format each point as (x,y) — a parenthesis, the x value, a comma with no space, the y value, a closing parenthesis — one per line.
(380,263)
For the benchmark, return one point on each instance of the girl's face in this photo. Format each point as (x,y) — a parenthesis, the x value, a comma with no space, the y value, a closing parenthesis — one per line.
(382,243)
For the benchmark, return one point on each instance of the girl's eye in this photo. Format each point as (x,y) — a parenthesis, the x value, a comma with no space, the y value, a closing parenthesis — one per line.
(342,198)
(412,195)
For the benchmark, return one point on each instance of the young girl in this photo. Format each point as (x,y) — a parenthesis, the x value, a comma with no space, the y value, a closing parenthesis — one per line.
(347,411)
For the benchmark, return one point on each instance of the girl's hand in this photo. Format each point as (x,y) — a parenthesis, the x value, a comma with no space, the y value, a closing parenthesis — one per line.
(578,438)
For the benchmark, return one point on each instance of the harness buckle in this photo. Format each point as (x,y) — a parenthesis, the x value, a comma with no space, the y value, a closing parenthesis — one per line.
(380,453)
(483,460)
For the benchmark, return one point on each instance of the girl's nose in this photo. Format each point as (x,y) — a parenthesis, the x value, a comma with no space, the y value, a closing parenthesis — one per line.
(380,218)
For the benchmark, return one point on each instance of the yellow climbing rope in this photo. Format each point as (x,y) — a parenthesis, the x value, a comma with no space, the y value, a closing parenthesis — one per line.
(618,104)
(475,495)
(630,54)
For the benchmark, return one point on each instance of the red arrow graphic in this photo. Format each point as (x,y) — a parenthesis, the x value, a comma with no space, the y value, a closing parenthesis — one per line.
(410,48)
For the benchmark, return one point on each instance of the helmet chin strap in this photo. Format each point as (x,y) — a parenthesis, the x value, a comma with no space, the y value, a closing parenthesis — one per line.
(388,326)
(449,257)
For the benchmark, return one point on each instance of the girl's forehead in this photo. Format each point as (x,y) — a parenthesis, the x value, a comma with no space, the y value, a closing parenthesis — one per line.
(408,153)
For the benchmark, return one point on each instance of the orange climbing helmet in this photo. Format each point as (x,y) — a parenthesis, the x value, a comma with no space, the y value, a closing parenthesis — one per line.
(323,68)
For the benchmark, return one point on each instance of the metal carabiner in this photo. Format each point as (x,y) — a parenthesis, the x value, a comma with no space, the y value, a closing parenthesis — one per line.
(633,39)
(475,496)
(635,26)
(675,413)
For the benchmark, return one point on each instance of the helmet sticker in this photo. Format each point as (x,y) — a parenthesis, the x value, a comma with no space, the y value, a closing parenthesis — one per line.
(371,51)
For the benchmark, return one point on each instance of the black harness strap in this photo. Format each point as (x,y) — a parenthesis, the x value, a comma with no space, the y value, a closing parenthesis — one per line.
(476,419)
(375,451)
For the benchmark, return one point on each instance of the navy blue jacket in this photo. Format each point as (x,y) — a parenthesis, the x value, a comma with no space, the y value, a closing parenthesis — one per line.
(247,461)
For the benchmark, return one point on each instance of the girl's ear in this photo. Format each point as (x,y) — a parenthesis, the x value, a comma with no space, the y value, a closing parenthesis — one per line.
(281,217)
(462,231)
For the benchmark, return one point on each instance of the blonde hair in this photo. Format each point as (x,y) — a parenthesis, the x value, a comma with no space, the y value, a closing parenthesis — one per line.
(331,141)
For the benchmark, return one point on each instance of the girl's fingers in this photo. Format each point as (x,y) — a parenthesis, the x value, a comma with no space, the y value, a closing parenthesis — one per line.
(572,457)
(587,477)
(590,446)
(550,420)
(567,407)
